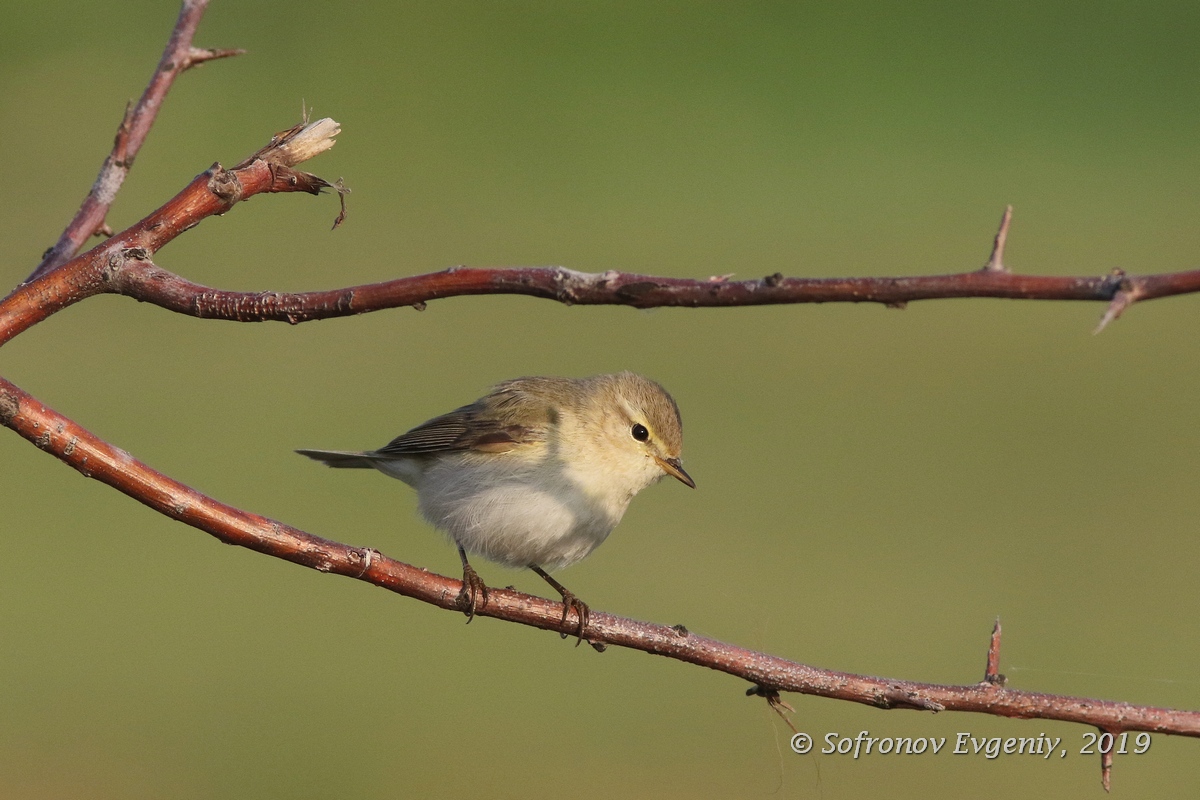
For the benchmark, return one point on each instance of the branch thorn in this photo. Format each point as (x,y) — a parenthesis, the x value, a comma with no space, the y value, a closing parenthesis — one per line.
(198,55)
(1106,762)
(991,675)
(1129,291)
(996,262)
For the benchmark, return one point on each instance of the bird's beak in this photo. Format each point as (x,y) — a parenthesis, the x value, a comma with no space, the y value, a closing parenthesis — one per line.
(672,467)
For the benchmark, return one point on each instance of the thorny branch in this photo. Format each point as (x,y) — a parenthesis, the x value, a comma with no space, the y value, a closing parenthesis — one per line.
(131,273)
(123,265)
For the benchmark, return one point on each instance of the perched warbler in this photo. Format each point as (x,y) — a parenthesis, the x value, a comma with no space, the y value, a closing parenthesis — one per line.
(536,473)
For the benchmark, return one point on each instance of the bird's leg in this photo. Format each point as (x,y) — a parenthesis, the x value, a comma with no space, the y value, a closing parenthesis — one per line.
(474,591)
(569,601)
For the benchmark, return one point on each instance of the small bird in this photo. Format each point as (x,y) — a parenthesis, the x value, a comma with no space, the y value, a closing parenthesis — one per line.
(536,473)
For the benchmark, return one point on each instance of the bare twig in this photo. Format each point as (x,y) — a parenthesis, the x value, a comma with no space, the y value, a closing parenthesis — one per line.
(154,285)
(178,57)
(99,460)
(639,291)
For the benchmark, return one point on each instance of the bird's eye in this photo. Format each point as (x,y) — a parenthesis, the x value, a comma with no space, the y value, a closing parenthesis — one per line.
(639,432)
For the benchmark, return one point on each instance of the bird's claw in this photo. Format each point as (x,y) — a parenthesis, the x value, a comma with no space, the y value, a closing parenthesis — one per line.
(474,594)
(582,612)
(570,601)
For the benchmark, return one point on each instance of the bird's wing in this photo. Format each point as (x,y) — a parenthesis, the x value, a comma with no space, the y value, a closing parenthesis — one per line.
(488,425)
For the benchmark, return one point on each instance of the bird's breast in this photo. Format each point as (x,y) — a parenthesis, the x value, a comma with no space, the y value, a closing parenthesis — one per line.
(517,517)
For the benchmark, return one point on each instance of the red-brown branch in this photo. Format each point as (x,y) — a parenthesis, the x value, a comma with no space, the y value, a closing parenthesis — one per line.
(110,268)
(147,282)
(97,459)
(639,291)
(178,57)
(122,265)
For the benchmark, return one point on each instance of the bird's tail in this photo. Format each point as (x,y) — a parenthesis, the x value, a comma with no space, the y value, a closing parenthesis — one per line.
(342,459)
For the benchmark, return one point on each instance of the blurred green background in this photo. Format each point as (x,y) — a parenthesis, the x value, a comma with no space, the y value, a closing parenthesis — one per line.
(875,486)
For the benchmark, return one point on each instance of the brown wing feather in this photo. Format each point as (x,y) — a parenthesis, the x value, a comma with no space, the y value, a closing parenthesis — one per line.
(446,432)
(489,425)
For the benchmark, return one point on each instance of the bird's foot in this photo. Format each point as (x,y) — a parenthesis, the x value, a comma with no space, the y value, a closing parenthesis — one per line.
(474,594)
(582,612)
(570,601)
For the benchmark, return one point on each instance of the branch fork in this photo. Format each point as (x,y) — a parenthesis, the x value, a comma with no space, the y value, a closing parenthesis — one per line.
(178,56)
